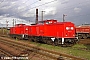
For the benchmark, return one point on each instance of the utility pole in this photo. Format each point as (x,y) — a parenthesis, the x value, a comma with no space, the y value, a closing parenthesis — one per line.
(36,22)
(7,24)
(64,17)
(22,22)
(29,21)
(42,14)
(2,29)
(13,22)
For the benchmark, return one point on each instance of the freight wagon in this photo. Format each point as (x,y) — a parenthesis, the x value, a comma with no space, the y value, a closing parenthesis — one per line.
(83,31)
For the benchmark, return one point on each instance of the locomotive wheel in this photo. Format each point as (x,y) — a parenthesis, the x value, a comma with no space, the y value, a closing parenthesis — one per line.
(85,36)
(50,42)
(56,42)
(80,37)
(35,40)
(29,39)
(69,44)
(66,45)
(45,41)
(32,39)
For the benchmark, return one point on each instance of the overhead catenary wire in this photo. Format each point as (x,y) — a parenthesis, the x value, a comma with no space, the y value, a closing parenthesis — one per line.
(28,5)
(72,16)
(63,8)
(79,4)
(42,5)
(36,6)
(25,7)
(2,1)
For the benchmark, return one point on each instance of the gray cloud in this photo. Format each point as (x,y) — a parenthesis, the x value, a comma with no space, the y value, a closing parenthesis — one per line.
(77,11)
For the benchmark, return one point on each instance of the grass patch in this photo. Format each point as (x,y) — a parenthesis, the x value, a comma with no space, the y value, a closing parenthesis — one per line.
(79,46)
(4,31)
(76,50)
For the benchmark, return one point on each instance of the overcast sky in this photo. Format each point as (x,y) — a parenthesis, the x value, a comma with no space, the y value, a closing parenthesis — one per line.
(23,11)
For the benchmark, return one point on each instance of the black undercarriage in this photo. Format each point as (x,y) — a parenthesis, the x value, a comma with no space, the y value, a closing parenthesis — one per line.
(48,40)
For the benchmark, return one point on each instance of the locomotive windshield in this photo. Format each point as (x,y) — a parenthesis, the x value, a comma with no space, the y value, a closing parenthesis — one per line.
(49,22)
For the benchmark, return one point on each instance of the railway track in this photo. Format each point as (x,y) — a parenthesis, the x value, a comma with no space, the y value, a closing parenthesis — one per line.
(25,49)
(4,54)
(84,41)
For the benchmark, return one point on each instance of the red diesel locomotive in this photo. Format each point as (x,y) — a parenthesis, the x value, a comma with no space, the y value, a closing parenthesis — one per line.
(47,31)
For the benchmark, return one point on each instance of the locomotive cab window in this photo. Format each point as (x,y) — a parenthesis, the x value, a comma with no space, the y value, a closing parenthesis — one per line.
(48,22)
(41,22)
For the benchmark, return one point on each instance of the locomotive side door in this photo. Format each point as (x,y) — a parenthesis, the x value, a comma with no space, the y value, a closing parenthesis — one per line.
(59,33)
(59,29)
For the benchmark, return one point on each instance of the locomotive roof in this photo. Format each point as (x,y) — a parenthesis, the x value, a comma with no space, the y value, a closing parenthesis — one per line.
(52,21)
(20,24)
(83,26)
(48,20)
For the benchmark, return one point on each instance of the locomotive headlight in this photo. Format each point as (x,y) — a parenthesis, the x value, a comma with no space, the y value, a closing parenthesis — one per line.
(73,35)
(26,28)
(67,28)
(66,35)
(72,28)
